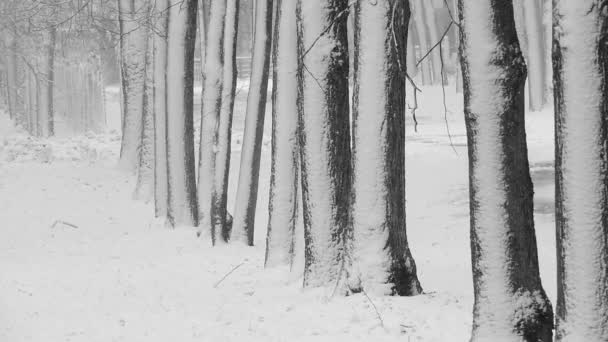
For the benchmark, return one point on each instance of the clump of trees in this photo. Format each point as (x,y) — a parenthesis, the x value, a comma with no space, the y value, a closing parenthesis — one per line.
(337,184)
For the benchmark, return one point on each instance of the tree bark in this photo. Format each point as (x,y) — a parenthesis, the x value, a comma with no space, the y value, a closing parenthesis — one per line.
(182,207)
(283,202)
(510,303)
(161,195)
(324,138)
(132,49)
(221,220)
(210,112)
(12,78)
(580,62)
(249,171)
(144,188)
(381,258)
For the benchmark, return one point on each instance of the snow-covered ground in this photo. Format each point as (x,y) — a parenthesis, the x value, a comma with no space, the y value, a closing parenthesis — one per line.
(81,261)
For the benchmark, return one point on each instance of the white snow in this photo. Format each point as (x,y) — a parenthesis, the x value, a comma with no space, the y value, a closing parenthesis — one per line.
(121,276)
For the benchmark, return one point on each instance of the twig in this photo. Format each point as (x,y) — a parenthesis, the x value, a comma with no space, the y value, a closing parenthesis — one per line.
(436,44)
(445,106)
(227,274)
(63,223)
(374,306)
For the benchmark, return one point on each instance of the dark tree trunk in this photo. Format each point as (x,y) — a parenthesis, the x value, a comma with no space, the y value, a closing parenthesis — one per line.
(580,78)
(380,255)
(182,208)
(324,138)
(510,303)
(249,171)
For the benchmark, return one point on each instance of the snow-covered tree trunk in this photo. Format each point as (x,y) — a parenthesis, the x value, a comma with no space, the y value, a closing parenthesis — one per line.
(48,84)
(249,171)
(548,46)
(425,65)
(221,220)
(284,170)
(133,51)
(435,57)
(144,188)
(580,57)
(324,137)
(381,259)
(160,108)
(536,63)
(182,208)
(12,77)
(510,303)
(210,112)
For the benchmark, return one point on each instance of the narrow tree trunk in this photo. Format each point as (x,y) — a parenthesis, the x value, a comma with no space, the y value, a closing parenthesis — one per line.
(580,58)
(284,171)
(425,65)
(510,303)
(221,221)
(160,108)
(381,258)
(249,171)
(182,208)
(435,57)
(535,62)
(210,112)
(324,138)
(132,49)
(144,188)
(49,123)
(12,78)
(548,46)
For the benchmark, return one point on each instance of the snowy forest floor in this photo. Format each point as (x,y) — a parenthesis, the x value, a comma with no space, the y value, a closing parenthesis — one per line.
(82,261)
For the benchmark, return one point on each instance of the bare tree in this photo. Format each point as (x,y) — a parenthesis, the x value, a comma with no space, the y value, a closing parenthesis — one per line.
(144,188)
(132,50)
(324,137)
(580,61)
(283,202)
(249,171)
(160,17)
(210,113)
(182,207)
(510,303)
(381,257)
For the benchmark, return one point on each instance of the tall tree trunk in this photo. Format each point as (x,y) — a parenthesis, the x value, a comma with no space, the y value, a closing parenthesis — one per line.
(132,50)
(249,171)
(221,220)
(182,208)
(48,84)
(284,171)
(548,46)
(580,76)
(510,303)
(380,255)
(536,64)
(435,57)
(144,189)
(324,137)
(160,108)
(12,78)
(210,112)
(425,65)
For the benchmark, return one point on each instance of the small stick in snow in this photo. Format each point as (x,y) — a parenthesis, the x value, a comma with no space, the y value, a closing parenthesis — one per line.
(227,274)
(63,223)
(374,306)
